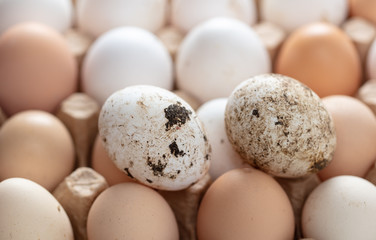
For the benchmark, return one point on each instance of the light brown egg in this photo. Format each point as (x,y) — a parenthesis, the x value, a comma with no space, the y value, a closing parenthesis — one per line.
(101,163)
(37,69)
(364,9)
(321,56)
(37,146)
(356,137)
(245,204)
(131,211)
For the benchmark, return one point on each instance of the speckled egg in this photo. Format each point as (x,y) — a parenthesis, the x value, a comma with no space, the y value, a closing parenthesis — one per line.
(280,126)
(154,136)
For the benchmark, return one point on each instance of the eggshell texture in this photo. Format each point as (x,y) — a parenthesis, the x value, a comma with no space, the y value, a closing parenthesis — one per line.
(96,17)
(356,137)
(224,156)
(37,146)
(154,136)
(102,164)
(371,61)
(37,69)
(28,211)
(55,13)
(131,211)
(245,204)
(321,56)
(342,208)
(291,14)
(363,8)
(122,57)
(280,126)
(217,55)
(186,14)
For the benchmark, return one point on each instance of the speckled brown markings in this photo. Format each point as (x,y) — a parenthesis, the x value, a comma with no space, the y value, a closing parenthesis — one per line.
(280,126)
(157,168)
(128,173)
(175,149)
(176,114)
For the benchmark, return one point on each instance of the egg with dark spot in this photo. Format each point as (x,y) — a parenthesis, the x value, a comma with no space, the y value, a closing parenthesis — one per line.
(280,126)
(155,136)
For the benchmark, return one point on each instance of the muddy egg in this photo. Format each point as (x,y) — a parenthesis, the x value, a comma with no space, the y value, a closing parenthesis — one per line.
(280,126)
(154,136)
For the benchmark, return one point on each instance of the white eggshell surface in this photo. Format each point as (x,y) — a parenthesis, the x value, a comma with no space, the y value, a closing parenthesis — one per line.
(341,208)
(28,211)
(154,136)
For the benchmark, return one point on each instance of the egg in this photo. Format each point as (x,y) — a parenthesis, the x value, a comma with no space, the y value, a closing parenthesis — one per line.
(224,156)
(186,14)
(342,208)
(217,55)
(291,14)
(154,136)
(101,163)
(28,211)
(37,146)
(371,61)
(280,126)
(323,57)
(356,137)
(131,211)
(123,57)
(363,8)
(96,17)
(37,69)
(245,204)
(57,14)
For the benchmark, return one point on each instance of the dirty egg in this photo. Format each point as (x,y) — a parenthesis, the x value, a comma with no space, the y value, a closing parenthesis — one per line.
(280,126)
(154,136)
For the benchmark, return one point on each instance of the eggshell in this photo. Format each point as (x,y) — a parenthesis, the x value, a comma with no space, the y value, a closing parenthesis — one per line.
(56,14)
(371,61)
(363,8)
(102,163)
(186,14)
(323,57)
(356,137)
(154,136)
(37,146)
(291,14)
(28,211)
(217,55)
(224,156)
(96,17)
(131,211)
(342,208)
(122,57)
(279,125)
(37,69)
(245,204)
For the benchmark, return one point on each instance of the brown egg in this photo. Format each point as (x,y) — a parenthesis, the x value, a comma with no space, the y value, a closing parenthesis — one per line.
(37,69)
(101,163)
(321,56)
(356,137)
(131,211)
(245,204)
(364,9)
(37,146)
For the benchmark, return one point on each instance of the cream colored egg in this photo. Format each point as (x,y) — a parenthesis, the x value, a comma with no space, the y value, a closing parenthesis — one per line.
(154,136)
(28,211)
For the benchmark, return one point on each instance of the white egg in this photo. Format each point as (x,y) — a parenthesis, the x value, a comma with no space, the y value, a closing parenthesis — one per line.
(217,55)
(224,156)
(28,211)
(154,136)
(371,61)
(97,16)
(186,14)
(122,57)
(54,13)
(342,208)
(291,14)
